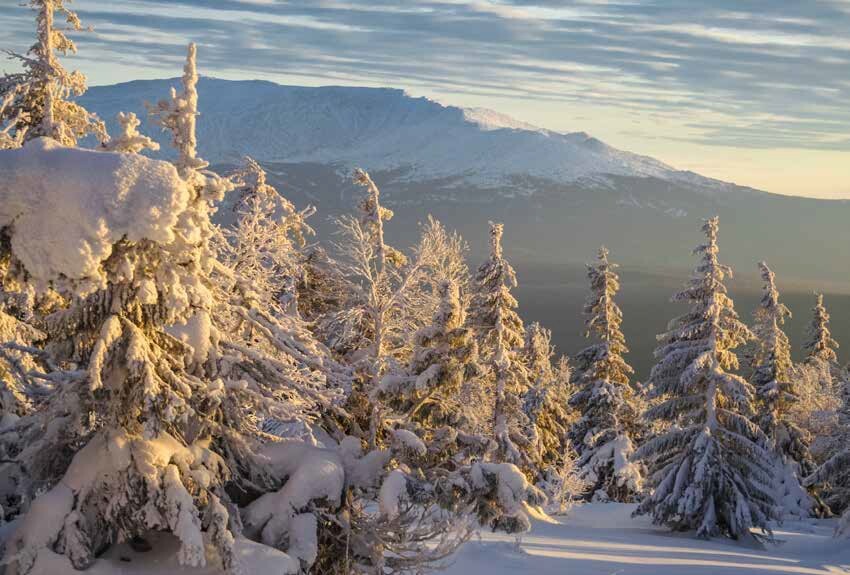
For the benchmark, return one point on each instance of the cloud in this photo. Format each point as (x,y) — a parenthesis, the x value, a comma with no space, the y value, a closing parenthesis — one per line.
(761,74)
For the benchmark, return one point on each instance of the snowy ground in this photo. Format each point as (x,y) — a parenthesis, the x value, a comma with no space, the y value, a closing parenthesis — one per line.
(599,539)
(256,559)
(603,539)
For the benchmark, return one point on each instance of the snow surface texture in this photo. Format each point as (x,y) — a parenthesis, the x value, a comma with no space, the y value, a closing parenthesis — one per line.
(255,559)
(596,539)
(602,539)
(383,129)
(88,200)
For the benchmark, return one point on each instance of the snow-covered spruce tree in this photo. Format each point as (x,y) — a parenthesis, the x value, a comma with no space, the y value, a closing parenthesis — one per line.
(820,384)
(445,253)
(120,445)
(445,355)
(322,289)
(835,473)
(546,429)
(817,407)
(129,140)
(384,306)
(833,476)
(709,472)
(36,101)
(501,335)
(546,404)
(604,434)
(123,444)
(163,410)
(773,377)
(20,394)
(262,248)
(819,343)
(424,399)
(387,295)
(263,343)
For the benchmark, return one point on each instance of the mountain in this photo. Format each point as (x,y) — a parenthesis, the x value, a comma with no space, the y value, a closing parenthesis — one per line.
(561,195)
(386,130)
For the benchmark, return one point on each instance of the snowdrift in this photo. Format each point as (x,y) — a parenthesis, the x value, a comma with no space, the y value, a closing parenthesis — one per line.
(88,200)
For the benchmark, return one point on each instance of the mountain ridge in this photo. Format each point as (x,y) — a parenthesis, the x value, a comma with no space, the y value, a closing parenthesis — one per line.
(559,195)
(384,129)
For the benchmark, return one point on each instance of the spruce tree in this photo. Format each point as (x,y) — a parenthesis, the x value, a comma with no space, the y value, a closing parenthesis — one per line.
(546,404)
(153,411)
(38,100)
(123,440)
(835,473)
(445,355)
(821,383)
(771,363)
(819,343)
(773,378)
(385,303)
(833,477)
(709,472)
(424,401)
(263,247)
(603,436)
(501,335)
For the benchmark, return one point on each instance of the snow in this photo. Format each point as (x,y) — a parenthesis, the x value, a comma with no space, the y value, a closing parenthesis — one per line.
(312,473)
(88,200)
(619,451)
(182,519)
(793,498)
(392,492)
(384,129)
(595,539)
(110,332)
(362,470)
(146,292)
(603,538)
(101,465)
(253,558)
(197,332)
(409,440)
(491,120)
(511,483)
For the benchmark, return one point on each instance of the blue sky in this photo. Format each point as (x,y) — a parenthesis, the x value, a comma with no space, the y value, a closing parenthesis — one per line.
(757,92)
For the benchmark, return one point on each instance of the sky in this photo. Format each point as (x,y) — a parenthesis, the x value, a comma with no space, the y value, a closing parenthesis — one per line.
(756,92)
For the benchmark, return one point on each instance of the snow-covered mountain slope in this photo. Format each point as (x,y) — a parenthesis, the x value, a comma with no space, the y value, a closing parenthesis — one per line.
(383,130)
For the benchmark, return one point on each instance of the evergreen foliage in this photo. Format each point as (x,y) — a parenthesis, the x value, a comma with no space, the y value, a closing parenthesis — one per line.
(501,336)
(709,471)
(773,377)
(603,436)
(37,101)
